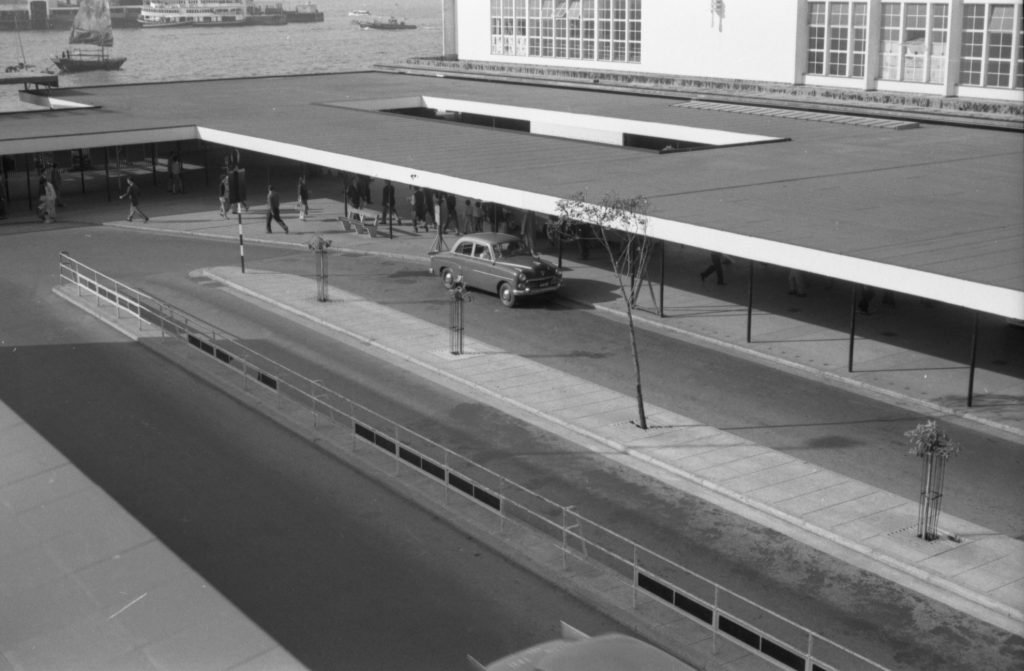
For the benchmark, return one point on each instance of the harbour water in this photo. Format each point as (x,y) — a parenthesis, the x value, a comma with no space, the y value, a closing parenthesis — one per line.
(175,54)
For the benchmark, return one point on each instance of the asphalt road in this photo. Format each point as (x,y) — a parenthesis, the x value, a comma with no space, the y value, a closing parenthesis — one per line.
(842,430)
(342,572)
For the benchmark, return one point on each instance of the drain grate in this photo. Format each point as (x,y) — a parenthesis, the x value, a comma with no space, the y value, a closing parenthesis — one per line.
(800,115)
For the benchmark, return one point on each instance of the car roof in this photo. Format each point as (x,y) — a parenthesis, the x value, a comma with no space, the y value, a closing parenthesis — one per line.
(608,652)
(487,238)
(611,652)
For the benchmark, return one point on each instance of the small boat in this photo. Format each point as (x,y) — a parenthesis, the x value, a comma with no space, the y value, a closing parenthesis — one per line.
(359,12)
(91,27)
(304,12)
(391,24)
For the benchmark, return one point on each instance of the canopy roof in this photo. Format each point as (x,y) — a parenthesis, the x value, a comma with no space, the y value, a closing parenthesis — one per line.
(931,210)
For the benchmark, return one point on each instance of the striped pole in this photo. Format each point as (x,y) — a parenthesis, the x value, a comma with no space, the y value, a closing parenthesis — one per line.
(241,242)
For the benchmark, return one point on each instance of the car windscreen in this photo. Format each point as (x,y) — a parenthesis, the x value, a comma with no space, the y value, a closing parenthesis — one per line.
(511,248)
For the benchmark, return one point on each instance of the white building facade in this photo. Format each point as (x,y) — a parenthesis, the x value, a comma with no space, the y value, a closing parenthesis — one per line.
(950,48)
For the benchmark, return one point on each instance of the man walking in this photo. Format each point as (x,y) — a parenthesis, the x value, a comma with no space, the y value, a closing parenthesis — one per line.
(133,194)
(274,209)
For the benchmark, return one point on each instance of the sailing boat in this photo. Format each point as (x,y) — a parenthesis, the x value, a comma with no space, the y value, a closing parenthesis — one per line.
(91,27)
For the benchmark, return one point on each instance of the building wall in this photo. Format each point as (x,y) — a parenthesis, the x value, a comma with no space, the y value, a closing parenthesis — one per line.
(907,46)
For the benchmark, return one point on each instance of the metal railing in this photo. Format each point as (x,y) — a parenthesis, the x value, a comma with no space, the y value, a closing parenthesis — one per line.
(665,581)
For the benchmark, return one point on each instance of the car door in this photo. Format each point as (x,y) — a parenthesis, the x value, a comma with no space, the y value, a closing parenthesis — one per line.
(461,259)
(478,266)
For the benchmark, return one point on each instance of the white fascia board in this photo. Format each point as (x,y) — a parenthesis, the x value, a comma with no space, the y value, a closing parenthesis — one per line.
(943,288)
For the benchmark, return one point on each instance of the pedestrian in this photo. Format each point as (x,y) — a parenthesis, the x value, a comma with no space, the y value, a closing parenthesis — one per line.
(387,198)
(134,194)
(478,216)
(528,230)
(451,203)
(174,167)
(363,184)
(55,176)
(303,198)
(867,294)
(223,194)
(48,202)
(467,216)
(440,212)
(274,209)
(419,209)
(797,284)
(353,194)
(715,267)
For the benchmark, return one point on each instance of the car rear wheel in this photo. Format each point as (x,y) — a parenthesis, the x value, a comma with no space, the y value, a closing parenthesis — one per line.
(448,278)
(505,295)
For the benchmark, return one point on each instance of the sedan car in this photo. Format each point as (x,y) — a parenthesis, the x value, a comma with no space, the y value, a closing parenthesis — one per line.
(496,262)
(576,651)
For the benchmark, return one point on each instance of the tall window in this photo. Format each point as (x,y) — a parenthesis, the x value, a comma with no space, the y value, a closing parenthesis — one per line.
(508,27)
(837,38)
(991,45)
(607,30)
(914,41)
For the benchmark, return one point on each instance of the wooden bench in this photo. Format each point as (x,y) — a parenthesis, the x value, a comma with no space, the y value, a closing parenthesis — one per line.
(364,219)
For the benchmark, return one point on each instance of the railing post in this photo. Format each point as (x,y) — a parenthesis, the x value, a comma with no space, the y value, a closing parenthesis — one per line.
(636,574)
(447,473)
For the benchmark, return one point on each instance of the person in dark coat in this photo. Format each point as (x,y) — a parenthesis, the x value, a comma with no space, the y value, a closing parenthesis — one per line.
(715,267)
(354,195)
(133,193)
(274,209)
(388,201)
(419,206)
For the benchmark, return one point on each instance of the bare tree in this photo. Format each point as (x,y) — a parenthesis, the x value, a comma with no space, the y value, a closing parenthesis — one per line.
(620,226)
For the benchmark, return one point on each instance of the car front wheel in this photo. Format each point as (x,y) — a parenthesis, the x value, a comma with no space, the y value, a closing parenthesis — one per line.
(505,295)
(448,278)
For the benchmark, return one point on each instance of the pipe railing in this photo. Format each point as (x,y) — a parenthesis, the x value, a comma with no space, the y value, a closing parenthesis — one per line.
(649,573)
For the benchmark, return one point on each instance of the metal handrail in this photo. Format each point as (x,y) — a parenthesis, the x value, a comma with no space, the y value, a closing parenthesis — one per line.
(516,502)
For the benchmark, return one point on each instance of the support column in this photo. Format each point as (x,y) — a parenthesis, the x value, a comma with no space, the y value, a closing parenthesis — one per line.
(750,298)
(853,325)
(974,359)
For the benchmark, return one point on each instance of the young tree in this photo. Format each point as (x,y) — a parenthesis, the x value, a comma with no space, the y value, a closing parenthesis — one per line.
(620,225)
(935,447)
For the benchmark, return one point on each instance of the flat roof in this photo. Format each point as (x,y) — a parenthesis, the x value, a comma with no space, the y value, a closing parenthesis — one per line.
(930,210)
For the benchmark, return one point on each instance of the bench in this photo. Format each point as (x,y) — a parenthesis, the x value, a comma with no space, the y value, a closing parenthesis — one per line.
(364,219)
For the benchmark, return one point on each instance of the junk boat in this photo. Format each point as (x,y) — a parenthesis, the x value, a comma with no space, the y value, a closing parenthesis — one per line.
(92,28)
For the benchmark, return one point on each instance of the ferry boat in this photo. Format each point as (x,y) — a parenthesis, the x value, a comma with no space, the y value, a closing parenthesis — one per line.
(209,13)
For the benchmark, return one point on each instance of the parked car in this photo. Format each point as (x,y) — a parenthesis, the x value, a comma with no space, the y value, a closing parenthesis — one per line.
(576,651)
(496,262)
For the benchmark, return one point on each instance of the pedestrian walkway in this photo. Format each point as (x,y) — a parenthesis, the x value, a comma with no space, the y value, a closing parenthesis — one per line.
(83,585)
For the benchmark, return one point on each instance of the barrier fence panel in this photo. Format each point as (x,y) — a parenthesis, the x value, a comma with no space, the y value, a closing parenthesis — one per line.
(651,575)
